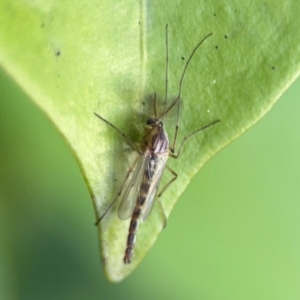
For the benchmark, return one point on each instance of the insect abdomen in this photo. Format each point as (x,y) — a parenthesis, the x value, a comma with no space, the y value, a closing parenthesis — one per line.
(134,223)
(135,219)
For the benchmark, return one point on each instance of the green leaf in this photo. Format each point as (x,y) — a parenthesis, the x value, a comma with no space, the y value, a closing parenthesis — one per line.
(77,58)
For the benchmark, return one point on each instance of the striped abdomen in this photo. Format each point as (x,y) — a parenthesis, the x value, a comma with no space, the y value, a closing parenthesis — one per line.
(139,208)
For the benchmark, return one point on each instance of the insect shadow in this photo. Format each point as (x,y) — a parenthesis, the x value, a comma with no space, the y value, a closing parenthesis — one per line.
(141,183)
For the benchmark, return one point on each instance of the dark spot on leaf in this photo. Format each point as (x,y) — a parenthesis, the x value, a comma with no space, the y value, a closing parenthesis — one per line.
(273,68)
(215,15)
(182,57)
(43,25)
(217,47)
(58,53)
(225,36)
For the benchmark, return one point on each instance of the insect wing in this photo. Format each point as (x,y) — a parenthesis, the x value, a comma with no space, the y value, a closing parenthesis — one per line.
(132,191)
(154,185)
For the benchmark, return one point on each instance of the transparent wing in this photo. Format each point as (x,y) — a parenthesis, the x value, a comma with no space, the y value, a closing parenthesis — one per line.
(156,177)
(132,191)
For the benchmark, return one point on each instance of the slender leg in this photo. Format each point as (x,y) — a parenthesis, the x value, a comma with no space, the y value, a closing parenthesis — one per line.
(170,182)
(120,191)
(162,211)
(187,137)
(131,144)
(163,189)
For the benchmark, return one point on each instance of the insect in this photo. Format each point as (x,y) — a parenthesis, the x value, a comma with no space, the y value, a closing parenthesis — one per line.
(140,187)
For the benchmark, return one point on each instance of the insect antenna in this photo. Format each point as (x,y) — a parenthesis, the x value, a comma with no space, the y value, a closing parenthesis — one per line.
(154,106)
(167,74)
(178,99)
(186,66)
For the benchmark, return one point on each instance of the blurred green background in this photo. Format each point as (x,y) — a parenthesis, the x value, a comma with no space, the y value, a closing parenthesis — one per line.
(234,234)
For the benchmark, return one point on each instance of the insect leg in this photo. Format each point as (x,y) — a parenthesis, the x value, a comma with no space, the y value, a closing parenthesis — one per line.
(162,212)
(172,149)
(171,181)
(120,191)
(163,189)
(131,144)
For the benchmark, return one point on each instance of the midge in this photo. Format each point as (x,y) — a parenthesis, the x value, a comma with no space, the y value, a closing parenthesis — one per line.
(141,183)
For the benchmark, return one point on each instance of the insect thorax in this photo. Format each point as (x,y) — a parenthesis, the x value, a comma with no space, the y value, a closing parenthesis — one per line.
(156,138)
